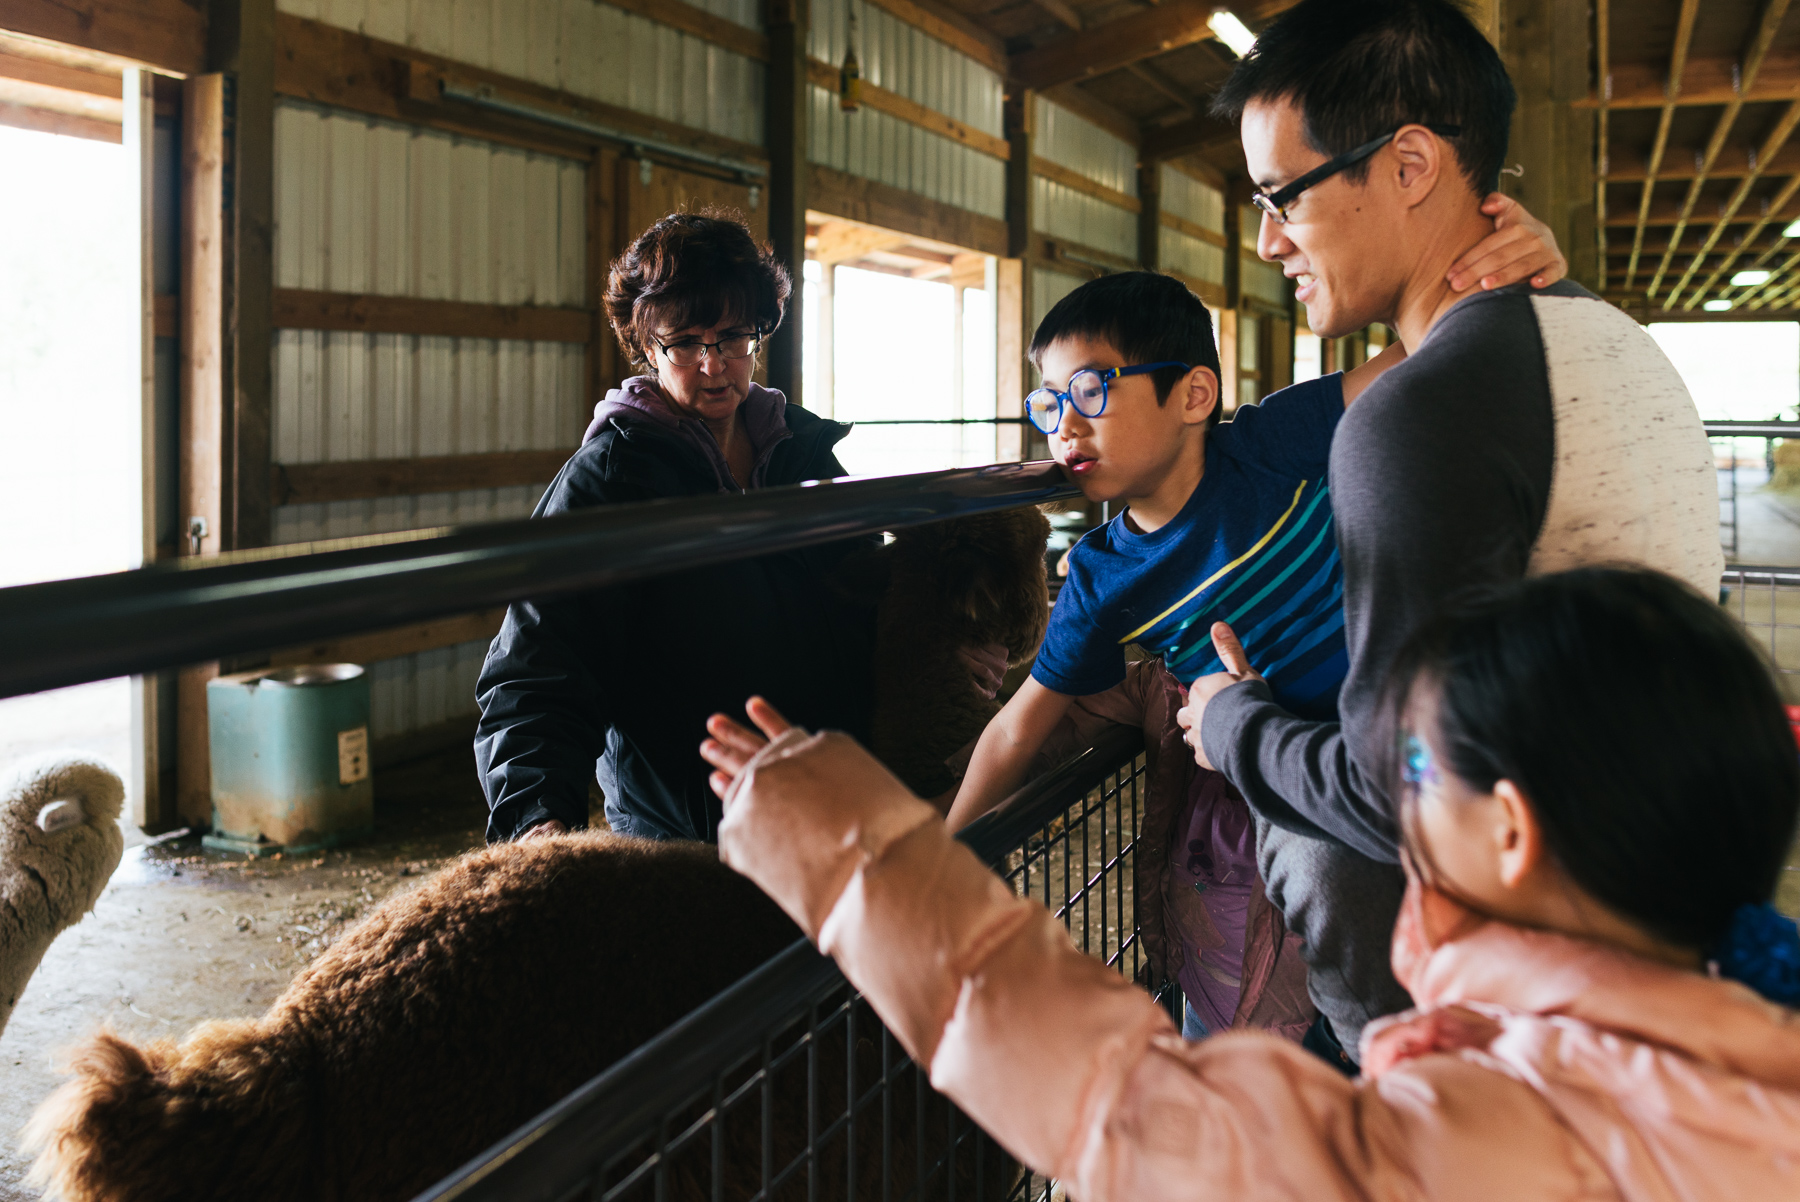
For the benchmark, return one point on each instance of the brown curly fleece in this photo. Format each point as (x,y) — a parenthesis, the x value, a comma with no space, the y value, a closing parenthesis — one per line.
(446,1019)
(965,582)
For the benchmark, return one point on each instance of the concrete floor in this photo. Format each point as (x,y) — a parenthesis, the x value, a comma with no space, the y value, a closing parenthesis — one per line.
(182,935)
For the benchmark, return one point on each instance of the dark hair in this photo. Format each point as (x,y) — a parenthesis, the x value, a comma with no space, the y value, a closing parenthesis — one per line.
(693,269)
(1147,317)
(1640,722)
(1358,69)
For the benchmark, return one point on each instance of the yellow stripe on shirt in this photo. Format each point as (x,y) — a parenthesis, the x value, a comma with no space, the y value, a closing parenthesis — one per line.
(1214,578)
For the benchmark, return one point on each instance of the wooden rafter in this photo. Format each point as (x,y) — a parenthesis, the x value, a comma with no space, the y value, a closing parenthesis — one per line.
(1168,88)
(1776,139)
(1773,12)
(1173,141)
(1114,44)
(1684,36)
(1780,284)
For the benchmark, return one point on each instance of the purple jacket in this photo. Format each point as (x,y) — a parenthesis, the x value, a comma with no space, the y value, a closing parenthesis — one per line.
(763,411)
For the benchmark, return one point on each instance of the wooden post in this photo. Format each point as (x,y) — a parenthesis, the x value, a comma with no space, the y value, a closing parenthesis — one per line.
(822,396)
(1150,215)
(1012,295)
(602,355)
(787,86)
(1545,46)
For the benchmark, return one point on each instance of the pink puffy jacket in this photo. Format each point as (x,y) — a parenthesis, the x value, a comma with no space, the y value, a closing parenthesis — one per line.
(1537,1067)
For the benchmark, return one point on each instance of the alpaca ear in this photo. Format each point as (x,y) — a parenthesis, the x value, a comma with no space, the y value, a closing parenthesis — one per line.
(60,815)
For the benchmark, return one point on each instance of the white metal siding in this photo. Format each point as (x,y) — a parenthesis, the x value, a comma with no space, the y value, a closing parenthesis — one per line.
(579,46)
(1192,200)
(1080,145)
(907,60)
(1192,257)
(368,206)
(876,146)
(1257,278)
(1062,212)
(1048,287)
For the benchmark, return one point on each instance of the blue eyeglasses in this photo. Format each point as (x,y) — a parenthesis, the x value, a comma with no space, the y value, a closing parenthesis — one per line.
(1086,394)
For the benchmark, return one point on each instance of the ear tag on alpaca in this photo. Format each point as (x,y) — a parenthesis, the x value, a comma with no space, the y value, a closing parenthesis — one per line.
(60,815)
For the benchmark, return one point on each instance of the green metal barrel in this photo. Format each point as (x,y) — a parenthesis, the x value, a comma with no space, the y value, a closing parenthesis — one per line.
(290,759)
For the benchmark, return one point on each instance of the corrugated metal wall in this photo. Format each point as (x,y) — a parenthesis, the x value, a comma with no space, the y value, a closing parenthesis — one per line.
(1062,212)
(1048,287)
(1262,280)
(874,145)
(580,46)
(368,206)
(1204,205)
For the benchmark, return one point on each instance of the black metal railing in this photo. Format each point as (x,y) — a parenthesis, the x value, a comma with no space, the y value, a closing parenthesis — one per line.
(1729,499)
(190,610)
(787,1086)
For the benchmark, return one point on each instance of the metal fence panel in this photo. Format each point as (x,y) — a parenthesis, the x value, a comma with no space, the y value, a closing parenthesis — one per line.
(786,1086)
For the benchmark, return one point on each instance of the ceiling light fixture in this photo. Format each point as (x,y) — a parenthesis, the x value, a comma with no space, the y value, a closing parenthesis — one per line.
(1792,231)
(1228,29)
(1716,306)
(1750,279)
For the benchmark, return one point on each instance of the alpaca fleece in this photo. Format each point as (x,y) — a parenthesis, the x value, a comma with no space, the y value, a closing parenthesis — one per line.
(49,879)
(960,583)
(450,1016)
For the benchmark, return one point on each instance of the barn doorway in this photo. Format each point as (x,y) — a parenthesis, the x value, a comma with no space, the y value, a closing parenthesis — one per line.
(900,334)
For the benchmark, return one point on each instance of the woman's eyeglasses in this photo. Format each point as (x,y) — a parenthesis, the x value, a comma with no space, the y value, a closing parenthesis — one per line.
(1086,394)
(1276,203)
(690,351)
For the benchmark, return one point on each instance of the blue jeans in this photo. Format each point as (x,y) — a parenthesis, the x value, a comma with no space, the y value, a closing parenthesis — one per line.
(1192,1029)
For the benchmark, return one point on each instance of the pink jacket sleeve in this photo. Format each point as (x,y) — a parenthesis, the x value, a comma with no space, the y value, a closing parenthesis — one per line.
(1066,1063)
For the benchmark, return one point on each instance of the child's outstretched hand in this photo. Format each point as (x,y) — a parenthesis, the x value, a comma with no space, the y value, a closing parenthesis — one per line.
(1521,247)
(1205,688)
(733,744)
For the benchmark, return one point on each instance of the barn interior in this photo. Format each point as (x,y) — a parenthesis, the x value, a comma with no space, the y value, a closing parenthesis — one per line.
(297,275)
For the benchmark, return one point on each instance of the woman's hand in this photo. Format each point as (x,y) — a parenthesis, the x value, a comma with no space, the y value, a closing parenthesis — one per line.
(543,830)
(733,745)
(1521,247)
(987,667)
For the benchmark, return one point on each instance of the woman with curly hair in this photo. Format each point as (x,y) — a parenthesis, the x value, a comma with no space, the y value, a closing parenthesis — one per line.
(626,676)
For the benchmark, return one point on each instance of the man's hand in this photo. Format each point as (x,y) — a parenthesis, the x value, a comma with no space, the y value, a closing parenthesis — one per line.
(1205,688)
(733,744)
(1521,247)
(987,667)
(543,830)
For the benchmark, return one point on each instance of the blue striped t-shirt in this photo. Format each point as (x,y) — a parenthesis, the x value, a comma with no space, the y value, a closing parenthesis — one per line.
(1254,546)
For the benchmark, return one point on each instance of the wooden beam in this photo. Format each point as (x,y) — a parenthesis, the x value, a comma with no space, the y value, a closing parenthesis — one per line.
(168,34)
(871,202)
(1074,258)
(1602,134)
(787,99)
(1069,178)
(844,241)
(1194,230)
(337,67)
(1113,44)
(825,75)
(1011,339)
(1210,292)
(48,121)
(1773,12)
(1167,88)
(701,24)
(1150,215)
(1707,83)
(205,417)
(362,479)
(950,27)
(58,75)
(295,309)
(1684,34)
(1185,137)
(377,645)
(602,368)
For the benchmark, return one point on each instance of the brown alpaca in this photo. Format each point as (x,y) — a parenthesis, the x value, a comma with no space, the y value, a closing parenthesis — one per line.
(964,582)
(447,1018)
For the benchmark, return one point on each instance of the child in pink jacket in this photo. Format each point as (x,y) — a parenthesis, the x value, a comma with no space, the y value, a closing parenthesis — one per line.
(1599,790)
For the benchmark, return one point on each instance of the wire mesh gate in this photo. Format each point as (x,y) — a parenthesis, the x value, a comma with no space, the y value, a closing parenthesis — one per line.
(786,1086)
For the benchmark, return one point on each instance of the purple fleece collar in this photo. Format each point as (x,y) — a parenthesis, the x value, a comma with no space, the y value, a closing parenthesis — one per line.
(764,412)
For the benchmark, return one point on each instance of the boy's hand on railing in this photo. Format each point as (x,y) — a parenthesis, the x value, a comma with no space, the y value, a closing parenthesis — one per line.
(1205,688)
(733,744)
(1521,247)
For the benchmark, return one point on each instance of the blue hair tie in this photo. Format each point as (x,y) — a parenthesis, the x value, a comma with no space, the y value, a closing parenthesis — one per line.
(1762,949)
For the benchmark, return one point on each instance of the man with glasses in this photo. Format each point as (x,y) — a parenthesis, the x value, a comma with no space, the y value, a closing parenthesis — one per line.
(1531,430)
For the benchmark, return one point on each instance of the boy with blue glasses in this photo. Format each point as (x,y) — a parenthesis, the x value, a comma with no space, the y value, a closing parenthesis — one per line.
(1220,522)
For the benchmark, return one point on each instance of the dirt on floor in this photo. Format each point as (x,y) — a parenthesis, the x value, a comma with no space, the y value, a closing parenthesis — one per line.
(182,935)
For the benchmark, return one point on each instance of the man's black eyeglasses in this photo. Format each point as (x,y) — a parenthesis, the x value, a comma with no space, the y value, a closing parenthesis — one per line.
(1276,203)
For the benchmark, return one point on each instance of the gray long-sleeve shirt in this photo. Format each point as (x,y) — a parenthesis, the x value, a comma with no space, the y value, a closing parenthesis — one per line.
(1531,432)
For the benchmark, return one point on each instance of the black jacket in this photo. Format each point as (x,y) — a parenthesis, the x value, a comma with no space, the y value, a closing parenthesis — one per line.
(627,676)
